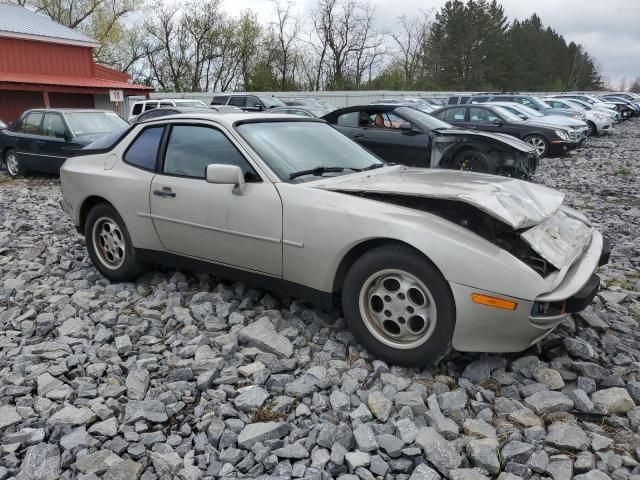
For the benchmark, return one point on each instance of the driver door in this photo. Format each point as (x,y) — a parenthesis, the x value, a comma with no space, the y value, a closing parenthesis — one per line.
(209,221)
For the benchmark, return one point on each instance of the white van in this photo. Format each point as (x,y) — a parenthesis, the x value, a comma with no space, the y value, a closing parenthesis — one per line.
(140,106)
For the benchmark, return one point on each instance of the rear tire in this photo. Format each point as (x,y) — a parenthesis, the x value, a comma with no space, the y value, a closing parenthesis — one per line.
(540,143)
(14,169)
(399,306)
(109,244)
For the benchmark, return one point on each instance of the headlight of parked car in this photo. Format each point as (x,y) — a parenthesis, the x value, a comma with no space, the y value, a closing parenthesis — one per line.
(562,134)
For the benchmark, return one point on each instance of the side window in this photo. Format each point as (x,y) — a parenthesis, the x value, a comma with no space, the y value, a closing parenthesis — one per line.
(237,101)
(351,120)
(481,115)
(219,100)
(503,98)
(150,106)
(453,115)
(191,148)
(385,120)
(143,151)
(31,124)
(166,104)
(53,126)
(137,109)
(528,103)
(480,99)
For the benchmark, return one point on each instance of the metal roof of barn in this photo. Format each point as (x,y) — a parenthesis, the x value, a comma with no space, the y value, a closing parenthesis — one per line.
(20,22)
(64,81)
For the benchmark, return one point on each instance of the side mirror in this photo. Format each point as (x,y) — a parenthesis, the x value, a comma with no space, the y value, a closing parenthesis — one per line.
(406,126)
(498,122)
(257,106)
(226,175)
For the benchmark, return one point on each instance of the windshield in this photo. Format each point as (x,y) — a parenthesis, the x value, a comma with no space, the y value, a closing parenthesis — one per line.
(506,114)
(539,103)
(92,123)
(424,119)
(290,147)
(530,112)
(194,104)
(580,104)
(271,102)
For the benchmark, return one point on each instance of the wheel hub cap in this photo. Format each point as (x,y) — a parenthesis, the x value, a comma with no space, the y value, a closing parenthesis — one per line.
(109,243)
(12,164)
(397,308)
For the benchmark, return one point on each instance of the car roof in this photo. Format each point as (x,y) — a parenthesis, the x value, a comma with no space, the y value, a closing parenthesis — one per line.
(230,120)
(68,110)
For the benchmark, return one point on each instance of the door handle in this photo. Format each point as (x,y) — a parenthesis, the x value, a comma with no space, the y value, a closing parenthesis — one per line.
(165,192)
(359,135)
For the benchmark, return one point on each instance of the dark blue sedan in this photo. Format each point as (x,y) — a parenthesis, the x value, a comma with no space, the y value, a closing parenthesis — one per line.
(42,138)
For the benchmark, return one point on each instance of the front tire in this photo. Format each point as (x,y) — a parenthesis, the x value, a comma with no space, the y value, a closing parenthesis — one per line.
(399,306)
(540,143)
(109,244)
(474,161)
(14,169)
(593,130)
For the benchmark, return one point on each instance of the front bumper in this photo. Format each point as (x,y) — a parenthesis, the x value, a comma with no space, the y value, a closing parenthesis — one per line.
(561,146)
(484,329)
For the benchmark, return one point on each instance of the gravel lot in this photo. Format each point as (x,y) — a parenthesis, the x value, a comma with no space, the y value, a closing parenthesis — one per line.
(181,376)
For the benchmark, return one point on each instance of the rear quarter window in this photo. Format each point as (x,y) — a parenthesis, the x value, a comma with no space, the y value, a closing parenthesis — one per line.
(137,109)
(143,152)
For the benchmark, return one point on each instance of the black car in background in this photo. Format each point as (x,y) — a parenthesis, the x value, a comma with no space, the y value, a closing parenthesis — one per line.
(490,118)
(405,135)
(248,103)
(41,139)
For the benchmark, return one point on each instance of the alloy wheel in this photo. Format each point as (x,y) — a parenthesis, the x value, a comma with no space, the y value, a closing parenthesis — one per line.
(109,243)
(397,308)
(538,144)
(12,164)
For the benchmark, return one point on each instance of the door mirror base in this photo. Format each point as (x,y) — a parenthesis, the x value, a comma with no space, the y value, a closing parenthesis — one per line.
(226,175)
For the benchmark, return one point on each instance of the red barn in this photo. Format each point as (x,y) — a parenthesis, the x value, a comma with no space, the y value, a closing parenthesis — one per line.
(45,64)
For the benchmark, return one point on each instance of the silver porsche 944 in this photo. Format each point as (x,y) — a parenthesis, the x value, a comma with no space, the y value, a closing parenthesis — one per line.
(421,260)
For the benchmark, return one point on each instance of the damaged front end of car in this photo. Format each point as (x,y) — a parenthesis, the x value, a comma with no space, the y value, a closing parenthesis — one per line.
(549,241)
(510,157)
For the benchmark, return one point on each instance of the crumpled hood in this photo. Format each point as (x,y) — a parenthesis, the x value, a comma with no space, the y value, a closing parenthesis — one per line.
(517,203)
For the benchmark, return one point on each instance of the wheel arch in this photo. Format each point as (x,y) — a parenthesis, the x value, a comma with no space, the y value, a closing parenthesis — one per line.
(365,246)
(86,207)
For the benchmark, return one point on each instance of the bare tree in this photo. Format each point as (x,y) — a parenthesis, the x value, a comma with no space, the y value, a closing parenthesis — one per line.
(347,36)
(412,41)
(284,34)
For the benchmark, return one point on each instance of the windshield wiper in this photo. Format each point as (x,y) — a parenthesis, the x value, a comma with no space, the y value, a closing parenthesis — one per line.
(372,167)
(317,171)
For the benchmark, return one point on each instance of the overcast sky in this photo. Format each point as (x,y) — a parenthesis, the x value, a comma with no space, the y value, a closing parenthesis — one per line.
(609,29)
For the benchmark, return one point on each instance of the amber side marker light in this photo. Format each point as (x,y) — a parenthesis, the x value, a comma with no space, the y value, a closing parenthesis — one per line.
(494,302)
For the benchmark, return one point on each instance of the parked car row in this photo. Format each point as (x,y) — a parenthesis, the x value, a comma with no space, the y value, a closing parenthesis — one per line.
(422,260)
